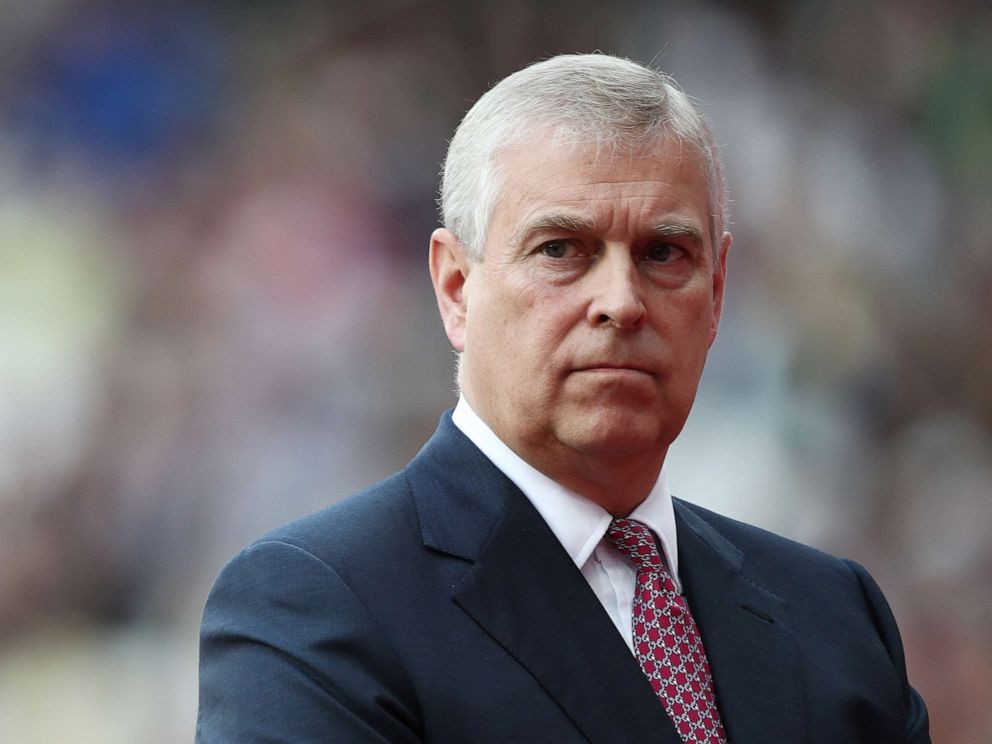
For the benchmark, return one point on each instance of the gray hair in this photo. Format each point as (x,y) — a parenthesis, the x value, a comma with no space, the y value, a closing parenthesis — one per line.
(594,99)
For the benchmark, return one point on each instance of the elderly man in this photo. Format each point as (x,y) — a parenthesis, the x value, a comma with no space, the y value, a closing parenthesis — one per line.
(528,577)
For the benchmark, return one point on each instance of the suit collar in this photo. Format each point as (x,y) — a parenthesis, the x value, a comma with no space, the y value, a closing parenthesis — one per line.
(458,492)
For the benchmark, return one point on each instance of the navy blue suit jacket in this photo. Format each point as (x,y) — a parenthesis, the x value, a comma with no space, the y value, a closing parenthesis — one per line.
(437,606)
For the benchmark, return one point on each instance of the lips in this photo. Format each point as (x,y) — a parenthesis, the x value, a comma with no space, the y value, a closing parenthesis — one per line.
(615,367)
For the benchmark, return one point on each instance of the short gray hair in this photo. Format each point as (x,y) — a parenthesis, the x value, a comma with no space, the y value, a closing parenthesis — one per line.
(584,98)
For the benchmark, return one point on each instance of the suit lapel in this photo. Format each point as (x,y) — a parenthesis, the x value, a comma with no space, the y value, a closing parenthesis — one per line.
(524,591)
(746,633)
(529,596)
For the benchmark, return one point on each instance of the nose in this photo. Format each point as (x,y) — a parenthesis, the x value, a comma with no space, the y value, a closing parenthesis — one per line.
(617,293)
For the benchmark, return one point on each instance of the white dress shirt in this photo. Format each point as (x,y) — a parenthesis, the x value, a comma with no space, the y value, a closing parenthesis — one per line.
(580,525)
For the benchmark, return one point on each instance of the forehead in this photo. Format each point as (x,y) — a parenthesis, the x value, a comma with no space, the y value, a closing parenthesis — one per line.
(599,185)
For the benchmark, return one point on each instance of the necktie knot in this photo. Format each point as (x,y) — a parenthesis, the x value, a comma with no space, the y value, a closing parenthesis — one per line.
(635,541)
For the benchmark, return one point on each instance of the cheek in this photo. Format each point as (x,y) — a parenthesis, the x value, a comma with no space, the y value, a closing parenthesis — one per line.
(533,321)
(692,311)
(497,337)
(685,328)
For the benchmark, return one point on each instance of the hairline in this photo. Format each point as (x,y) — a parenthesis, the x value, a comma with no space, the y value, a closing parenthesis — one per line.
(609,103)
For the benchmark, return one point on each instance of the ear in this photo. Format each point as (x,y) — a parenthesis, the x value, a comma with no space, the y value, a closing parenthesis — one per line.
(449,264)
(719,282)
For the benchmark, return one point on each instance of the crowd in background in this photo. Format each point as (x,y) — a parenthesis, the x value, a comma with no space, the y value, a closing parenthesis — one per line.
(216,316)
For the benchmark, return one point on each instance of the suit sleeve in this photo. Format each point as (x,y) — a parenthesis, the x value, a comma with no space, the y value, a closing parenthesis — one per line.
(289,654)
(917,718)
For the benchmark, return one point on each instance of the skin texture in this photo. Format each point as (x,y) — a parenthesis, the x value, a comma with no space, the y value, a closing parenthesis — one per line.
(585,327)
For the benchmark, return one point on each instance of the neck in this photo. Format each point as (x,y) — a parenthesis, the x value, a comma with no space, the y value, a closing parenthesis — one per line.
(618,484)
(617,478)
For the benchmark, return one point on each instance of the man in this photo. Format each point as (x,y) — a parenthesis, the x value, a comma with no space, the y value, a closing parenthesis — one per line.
(528,577)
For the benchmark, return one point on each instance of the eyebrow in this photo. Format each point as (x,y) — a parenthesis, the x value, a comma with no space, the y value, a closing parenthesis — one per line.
(563,221)
(556,221)
(679,229)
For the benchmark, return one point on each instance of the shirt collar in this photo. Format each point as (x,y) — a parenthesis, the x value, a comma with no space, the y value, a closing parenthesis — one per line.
(578,523)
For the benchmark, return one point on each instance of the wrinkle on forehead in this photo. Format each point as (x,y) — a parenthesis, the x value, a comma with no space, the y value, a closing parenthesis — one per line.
(675,226)
(550,144)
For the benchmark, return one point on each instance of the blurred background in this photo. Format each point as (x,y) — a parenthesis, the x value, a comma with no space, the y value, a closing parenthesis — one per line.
(215,311)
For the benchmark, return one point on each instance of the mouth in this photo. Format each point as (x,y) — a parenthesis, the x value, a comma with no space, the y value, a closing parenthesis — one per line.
(615,368)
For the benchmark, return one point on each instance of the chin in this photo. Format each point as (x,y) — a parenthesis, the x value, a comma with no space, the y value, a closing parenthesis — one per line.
(616,433)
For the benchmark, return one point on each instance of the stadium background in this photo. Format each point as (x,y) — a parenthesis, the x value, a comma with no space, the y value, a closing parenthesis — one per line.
(215,313)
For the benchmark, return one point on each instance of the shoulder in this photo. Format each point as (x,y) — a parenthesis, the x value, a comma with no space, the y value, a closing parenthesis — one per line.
(818,588)
(758,548)
(331,564)
(837,614)
(351,544)
(381,511)
(288,614)
(810,580)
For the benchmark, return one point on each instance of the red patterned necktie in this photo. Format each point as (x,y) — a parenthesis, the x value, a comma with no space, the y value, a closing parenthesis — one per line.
(667,641)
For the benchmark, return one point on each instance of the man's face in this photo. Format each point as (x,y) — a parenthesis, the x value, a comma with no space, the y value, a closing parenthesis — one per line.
(585,327)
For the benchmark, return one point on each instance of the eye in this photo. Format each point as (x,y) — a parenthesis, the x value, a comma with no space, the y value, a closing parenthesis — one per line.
(555,248)
(662,252)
